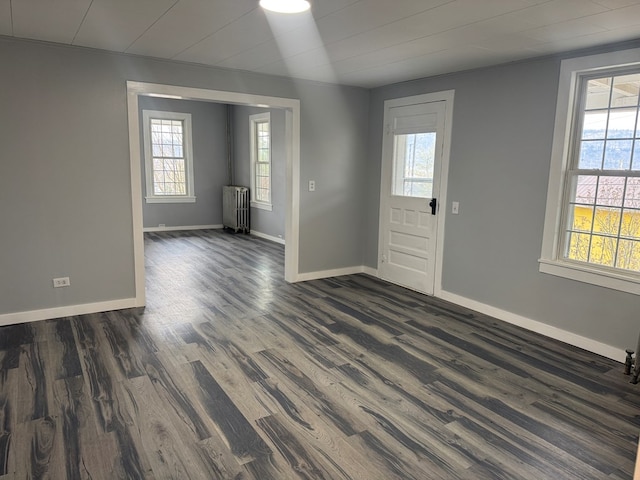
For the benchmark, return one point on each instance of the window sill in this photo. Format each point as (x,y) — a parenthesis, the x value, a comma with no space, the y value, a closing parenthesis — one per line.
(593,276)
(169,199)
(262,206)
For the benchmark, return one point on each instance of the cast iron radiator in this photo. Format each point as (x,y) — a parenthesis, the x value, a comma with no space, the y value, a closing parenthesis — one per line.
(235,208)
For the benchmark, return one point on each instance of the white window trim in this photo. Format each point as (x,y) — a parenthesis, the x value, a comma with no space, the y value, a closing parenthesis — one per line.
(253,120)
(147,115)
(550,260)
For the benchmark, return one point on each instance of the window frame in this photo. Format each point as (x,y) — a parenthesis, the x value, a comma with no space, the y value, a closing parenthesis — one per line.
(254,121)
(566,123)
(187,146)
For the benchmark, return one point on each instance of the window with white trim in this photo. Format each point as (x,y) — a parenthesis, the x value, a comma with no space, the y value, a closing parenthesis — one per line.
(596,227)
(260,157)
(168,157)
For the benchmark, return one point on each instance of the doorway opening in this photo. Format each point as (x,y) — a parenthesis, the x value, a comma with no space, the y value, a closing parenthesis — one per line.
(291,108)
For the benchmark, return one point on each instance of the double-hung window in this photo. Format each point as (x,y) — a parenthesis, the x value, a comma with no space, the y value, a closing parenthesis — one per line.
(260,157)
(168,157)
(592,230)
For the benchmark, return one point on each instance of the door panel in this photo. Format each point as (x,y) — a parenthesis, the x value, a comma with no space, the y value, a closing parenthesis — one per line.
(412,154)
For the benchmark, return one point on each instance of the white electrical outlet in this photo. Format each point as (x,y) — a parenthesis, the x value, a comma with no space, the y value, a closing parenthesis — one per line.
(312,185)
(61,282)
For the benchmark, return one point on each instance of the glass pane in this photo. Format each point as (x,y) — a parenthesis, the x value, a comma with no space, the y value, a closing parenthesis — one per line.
(617,154)
(606,220)
(414,156)
(167,138)
(630,227)
(625,90)
(632,193)
(591,152)
(586,187)
(598,92)
(602,250)
(594,125)
(635,163)
(582,218)
(622,123)
(628,255)
(417,189)
(578,248)
(168,151)
(610,191)
(262,194)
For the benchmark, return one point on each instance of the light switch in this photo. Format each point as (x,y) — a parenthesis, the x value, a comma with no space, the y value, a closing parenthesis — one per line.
(455,208)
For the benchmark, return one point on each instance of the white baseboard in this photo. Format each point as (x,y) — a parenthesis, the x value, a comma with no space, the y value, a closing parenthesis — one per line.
(267,237)
(67,311)
(177,229)
(565,336)
(304,277)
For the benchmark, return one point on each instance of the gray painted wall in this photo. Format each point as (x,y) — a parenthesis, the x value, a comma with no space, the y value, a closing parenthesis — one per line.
(210,171)
(334,126)
(263,221)
(65,194)
(500,154)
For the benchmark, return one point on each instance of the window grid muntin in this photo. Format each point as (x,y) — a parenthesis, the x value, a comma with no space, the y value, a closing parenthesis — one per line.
(578,138)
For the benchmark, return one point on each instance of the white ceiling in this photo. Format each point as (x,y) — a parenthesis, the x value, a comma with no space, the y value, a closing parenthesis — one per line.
(368,43)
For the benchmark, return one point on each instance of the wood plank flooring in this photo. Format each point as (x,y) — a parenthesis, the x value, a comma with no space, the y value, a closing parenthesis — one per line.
(231,373)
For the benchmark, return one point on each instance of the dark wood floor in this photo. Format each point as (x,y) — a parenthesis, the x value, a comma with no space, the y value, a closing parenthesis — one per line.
(232,373)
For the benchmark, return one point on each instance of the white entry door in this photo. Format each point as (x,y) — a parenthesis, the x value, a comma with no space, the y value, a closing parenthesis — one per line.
(411,188)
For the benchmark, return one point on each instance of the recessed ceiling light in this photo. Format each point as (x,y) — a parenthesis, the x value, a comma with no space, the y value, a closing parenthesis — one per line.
(285,6)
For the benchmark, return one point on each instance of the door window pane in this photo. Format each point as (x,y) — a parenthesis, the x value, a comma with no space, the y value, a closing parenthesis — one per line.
(413,162)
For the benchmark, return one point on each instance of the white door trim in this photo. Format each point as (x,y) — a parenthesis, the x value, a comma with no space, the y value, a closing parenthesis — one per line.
(291,107)
(446,96)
